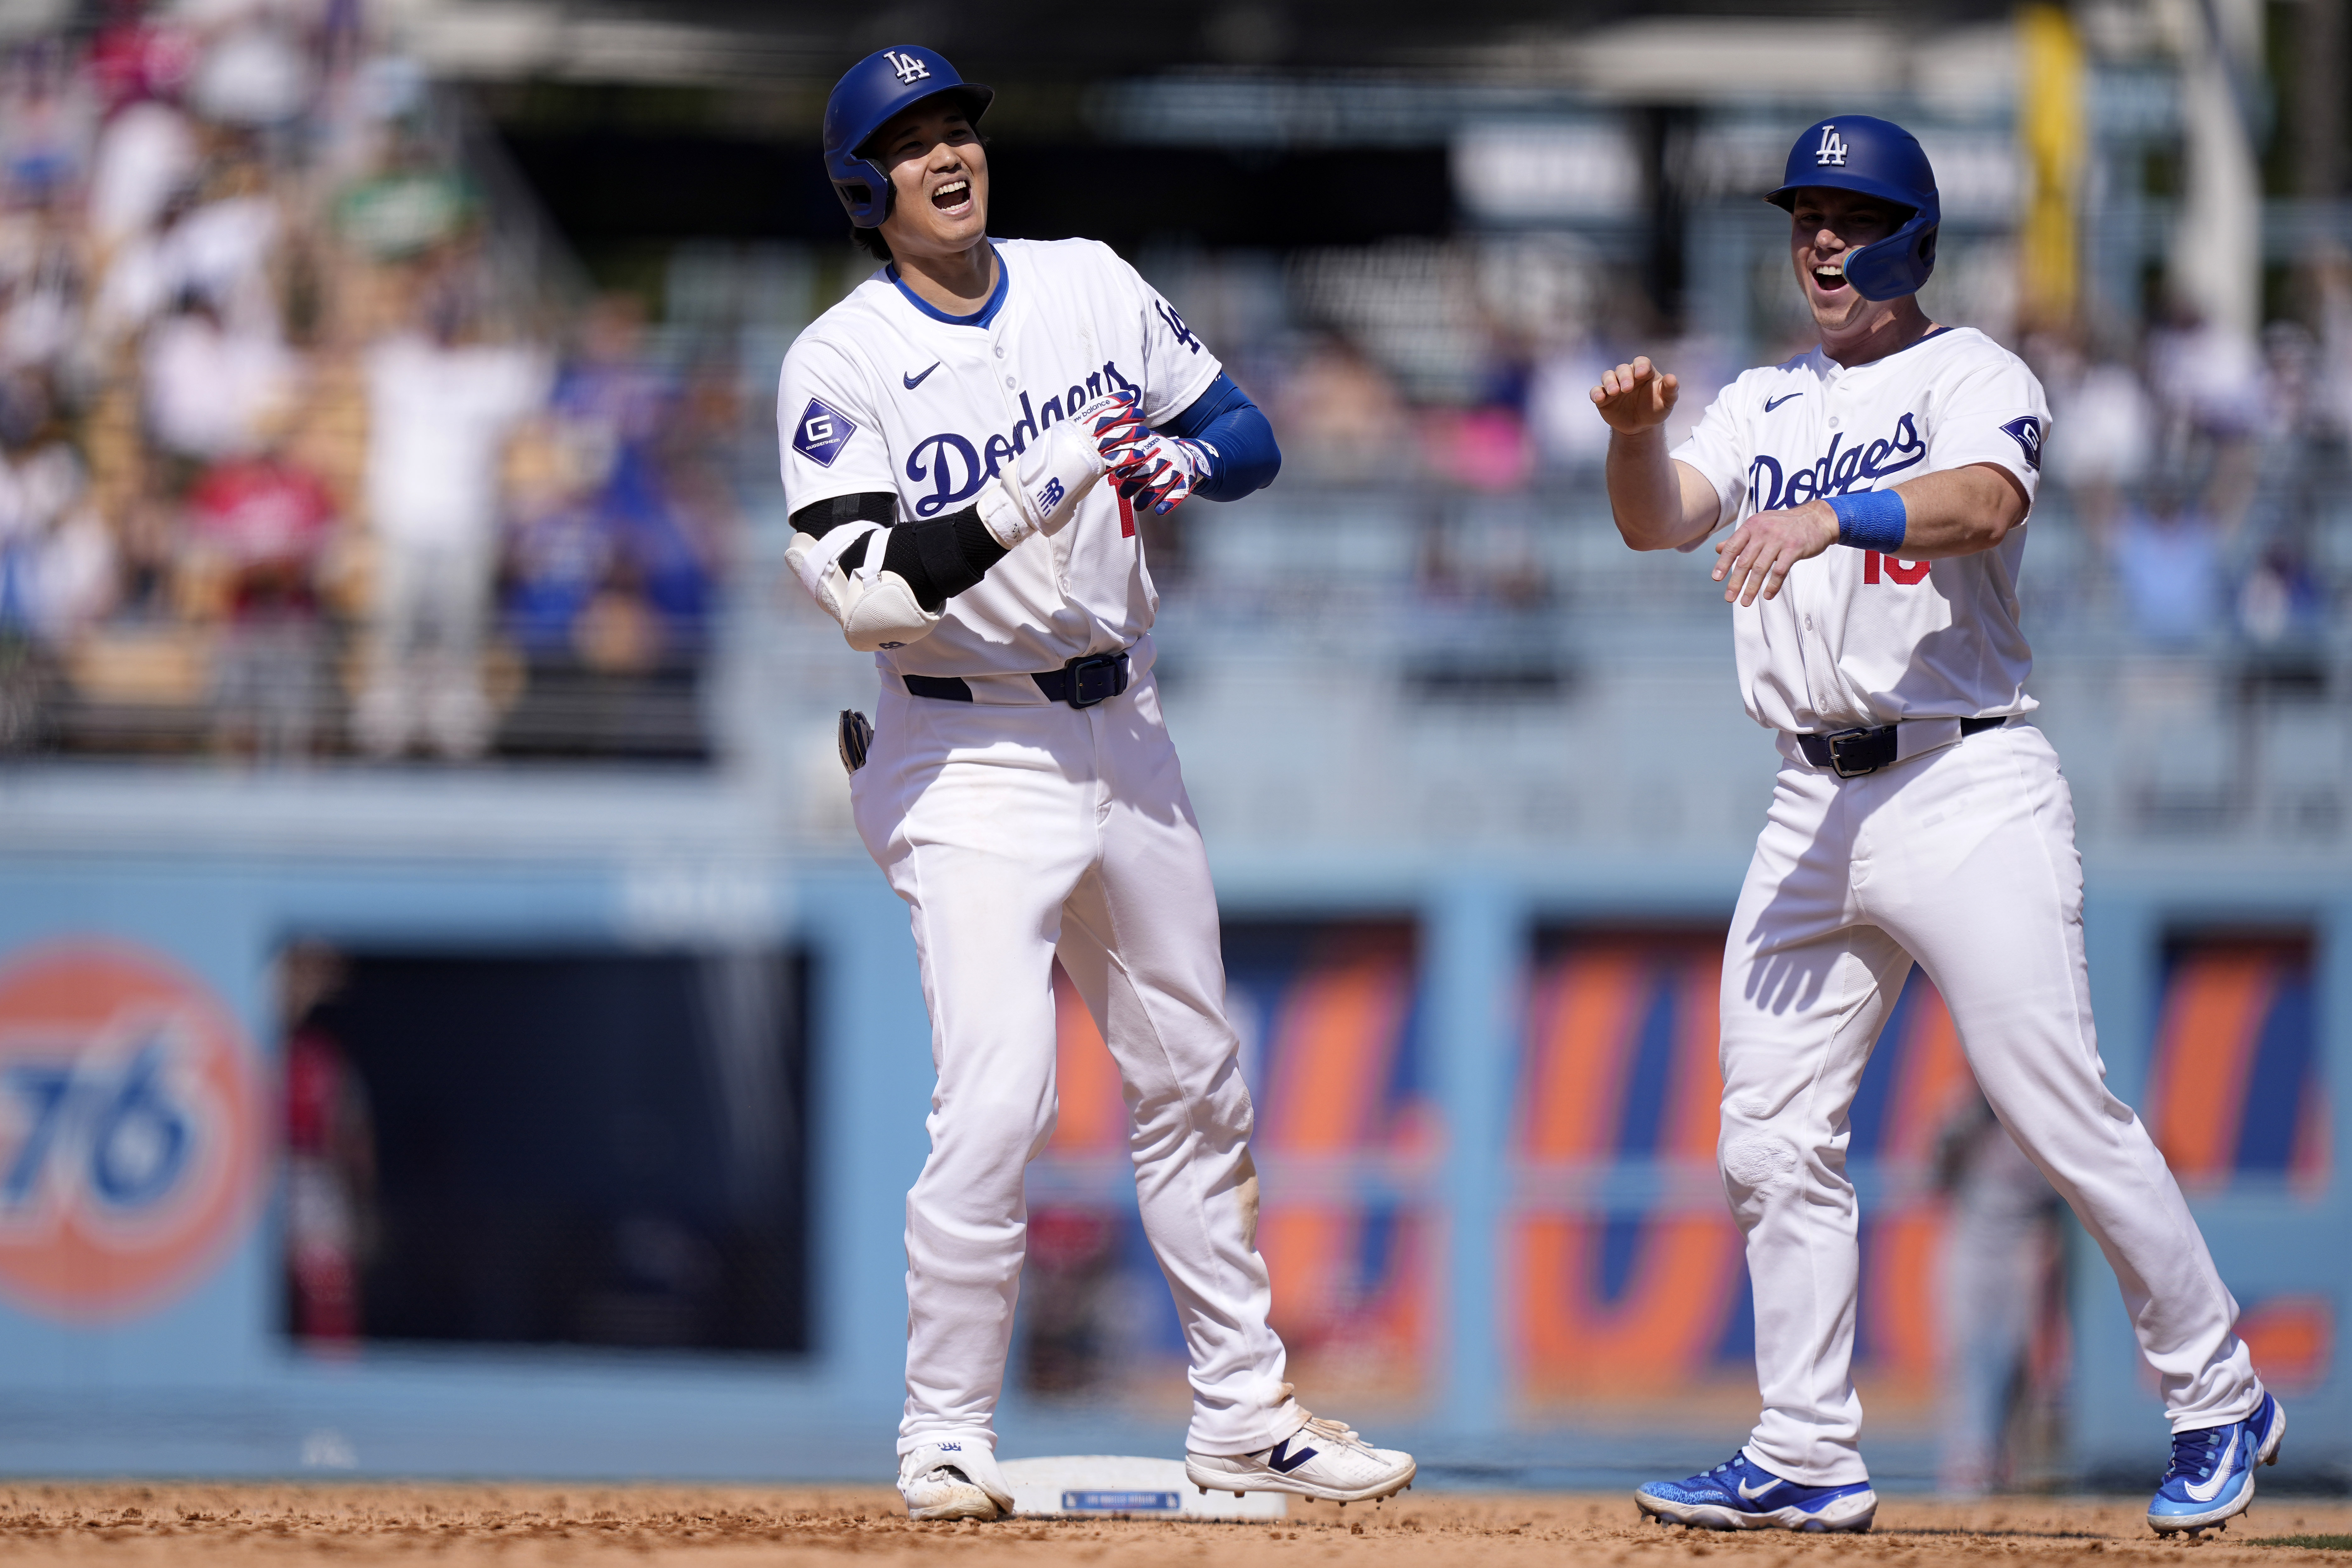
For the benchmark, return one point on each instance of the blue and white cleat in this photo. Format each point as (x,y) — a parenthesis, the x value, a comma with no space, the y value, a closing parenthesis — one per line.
(2212,1477)
(1739,1494)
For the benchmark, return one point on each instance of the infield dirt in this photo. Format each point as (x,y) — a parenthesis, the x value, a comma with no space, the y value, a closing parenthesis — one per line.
(200,1523)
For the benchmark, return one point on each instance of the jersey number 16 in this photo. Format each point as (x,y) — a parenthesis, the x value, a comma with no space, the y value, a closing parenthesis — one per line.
(1903,572)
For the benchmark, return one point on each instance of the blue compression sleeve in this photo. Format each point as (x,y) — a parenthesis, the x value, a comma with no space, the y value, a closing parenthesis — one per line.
(1224,417)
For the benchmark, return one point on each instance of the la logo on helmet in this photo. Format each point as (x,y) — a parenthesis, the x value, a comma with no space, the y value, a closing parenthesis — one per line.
(1832,149)
(908,67)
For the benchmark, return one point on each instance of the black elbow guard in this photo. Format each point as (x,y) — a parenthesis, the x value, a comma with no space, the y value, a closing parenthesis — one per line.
(941,557)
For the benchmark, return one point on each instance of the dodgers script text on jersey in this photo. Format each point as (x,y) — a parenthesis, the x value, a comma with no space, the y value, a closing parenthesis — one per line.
(1855,639)
(883,393)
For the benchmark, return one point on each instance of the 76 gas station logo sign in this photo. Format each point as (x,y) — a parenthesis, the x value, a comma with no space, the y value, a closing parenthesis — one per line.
(131,1129)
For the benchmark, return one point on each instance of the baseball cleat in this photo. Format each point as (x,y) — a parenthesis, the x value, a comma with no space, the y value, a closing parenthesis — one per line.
(1740,1494)
(2212,1476)
(1322,1459)
(953,1480)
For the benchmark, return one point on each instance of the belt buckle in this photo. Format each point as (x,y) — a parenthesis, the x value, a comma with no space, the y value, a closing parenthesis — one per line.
(1094,679)
(1837,753)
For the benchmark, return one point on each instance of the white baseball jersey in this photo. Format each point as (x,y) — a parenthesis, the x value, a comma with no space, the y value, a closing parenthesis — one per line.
(884,393)
(1022,832)
(1855,639)
(1960,859)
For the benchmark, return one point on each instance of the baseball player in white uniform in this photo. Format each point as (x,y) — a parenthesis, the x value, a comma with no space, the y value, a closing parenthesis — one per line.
(947,431)
(1876,491)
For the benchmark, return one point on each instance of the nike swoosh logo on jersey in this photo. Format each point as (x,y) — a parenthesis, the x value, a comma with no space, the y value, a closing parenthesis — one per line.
(1772,402)
(914,381)
(2212,1488)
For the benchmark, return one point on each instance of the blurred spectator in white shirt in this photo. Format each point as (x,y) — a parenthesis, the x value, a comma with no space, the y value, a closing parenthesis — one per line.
(212,393)
(2103,436)
(2216,399)
(255,70)
(147,151)
(2105,429)
(2209,377)
(440,412)
(57,557)
(1569,430)
(223,247)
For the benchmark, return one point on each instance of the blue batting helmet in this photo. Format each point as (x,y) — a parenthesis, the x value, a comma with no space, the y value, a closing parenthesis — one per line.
(864,100)
(1877,158)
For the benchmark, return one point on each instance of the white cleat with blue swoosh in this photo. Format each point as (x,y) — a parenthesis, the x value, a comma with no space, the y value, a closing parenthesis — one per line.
(1324,1458)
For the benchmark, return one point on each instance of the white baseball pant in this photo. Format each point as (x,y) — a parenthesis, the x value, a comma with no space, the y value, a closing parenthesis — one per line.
(1017,834)
(1963,859)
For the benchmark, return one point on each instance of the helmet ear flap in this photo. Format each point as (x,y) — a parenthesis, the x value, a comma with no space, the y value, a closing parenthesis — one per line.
(880,195)
(865,192)
(1898,265)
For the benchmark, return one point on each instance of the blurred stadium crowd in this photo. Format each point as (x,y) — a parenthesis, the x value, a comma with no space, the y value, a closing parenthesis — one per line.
(301,454)
(2196,466)
(312,441)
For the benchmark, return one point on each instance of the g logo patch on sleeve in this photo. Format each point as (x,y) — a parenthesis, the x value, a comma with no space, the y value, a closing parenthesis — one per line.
(822,431)
(2026,431)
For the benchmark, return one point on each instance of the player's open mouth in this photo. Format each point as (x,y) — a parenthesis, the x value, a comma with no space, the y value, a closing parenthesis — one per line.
(1829,279)
(952,197)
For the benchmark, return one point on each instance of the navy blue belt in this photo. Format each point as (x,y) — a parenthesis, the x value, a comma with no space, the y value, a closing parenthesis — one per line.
(1850,753)
(1082,682)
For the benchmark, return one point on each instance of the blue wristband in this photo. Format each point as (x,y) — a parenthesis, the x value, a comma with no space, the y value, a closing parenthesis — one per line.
(1870,519)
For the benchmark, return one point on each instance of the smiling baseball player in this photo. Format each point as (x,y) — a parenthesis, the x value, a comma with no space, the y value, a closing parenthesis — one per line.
(1880,486)
(945,431)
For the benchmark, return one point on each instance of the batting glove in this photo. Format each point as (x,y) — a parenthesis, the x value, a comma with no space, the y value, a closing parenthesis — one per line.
(1039,491)
(1159,470)
(1115,423)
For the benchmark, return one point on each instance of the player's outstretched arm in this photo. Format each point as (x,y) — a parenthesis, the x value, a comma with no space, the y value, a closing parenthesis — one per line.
(1958,511)
(1659,504)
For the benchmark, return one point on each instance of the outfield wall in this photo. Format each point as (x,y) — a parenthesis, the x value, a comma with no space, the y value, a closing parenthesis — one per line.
(1485,1088)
